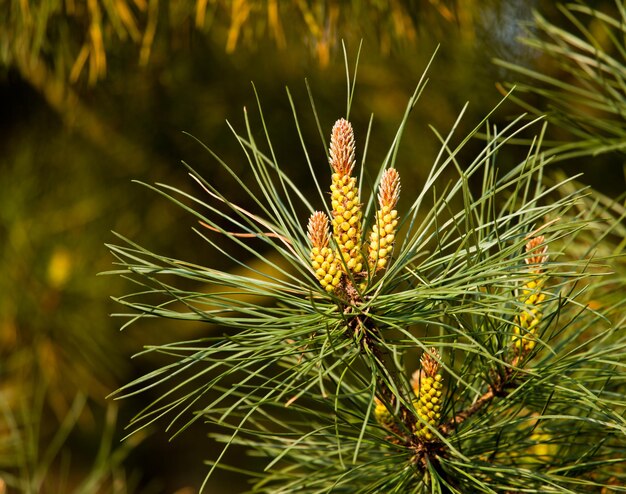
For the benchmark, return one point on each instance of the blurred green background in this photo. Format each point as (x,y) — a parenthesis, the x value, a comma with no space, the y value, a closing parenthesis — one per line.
(96,93)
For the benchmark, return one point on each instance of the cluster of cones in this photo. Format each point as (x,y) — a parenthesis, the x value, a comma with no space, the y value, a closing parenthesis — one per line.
(339,258)
(344,259)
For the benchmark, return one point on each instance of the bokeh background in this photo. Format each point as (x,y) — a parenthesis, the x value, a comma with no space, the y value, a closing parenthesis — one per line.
(97,93)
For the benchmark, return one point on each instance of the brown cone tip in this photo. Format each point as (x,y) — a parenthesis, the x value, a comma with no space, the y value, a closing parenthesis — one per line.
(389,192)
(430,362)
(536,254)
(342,147)
(429,367)
(318,229)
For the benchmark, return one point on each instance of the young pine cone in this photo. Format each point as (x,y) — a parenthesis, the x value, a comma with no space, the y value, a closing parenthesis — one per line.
(383,232)
(427,386)
(325,264)
(346,208)
(526,323)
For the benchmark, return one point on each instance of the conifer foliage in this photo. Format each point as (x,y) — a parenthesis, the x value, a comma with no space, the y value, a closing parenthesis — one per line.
(438,343)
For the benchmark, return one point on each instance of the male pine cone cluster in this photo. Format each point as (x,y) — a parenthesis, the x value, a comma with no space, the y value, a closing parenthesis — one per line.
(532,296)
(345,256)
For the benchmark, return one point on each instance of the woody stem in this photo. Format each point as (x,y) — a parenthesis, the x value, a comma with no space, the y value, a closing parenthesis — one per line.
(381,359)
(496,389)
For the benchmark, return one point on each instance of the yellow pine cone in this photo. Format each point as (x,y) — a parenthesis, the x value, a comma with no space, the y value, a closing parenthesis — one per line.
(382,238)
(346,208)
(544,449)
(427,385)
(383,415)
(324,262)
(527,321)
(347,221)
(428,405)
(383,232)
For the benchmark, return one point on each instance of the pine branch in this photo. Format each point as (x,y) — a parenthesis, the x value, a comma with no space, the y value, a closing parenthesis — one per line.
(514,369)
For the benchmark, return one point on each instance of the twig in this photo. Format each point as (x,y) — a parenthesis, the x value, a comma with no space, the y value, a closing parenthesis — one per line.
(497,389)
(463,415)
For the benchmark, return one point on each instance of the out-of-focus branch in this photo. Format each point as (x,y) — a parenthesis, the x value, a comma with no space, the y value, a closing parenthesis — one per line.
(80,118)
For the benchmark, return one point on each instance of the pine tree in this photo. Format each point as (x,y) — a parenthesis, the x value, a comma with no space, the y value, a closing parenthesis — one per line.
(456,339)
